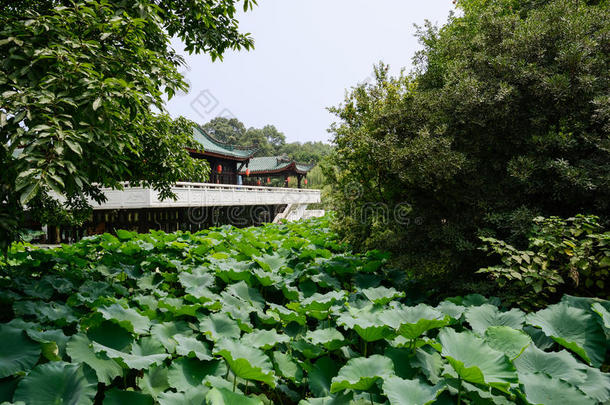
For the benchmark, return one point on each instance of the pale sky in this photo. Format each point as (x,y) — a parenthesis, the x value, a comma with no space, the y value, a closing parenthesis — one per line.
(307,53)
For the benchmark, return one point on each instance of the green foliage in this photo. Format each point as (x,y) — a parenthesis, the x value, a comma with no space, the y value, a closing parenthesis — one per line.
(563,256)
(80,86)
(167,323)
(505,118)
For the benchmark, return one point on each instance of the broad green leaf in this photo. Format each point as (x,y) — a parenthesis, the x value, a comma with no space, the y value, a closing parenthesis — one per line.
(185,373)
(154,381)
(222,396)
(191,397)
(507,340)
(412,322)
(320,377)
(218,326)
(191,347)
(431,363)
(165,332)
(573,328)
(17,351)
(246,294)
(56,383)
(264,339)
(366,322)
(145,353)
(330,338)
(475,361)
(80,350)
(287,366)
(272,263)
(341,398)
(382,295)
(409,392)
(600,310)
(560,365)
(361,373)
(453,310)
(541,389)
(482,317)
(128,318)
(246,362)
(117,397)
(596,385)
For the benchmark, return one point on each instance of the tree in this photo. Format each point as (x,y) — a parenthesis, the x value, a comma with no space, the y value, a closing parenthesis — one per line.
(228,130)
(307,152)
(79,86)
(506,117)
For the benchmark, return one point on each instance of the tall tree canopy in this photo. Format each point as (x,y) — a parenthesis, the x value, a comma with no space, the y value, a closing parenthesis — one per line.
(506,117)
(80,82)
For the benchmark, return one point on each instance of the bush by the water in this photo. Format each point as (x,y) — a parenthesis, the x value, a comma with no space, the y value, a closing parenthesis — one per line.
(276,314)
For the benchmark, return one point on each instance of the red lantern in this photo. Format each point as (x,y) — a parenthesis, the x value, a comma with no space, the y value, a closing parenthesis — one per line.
(219,169)
(305,181)
(258,182)
(268,180)
(248,172)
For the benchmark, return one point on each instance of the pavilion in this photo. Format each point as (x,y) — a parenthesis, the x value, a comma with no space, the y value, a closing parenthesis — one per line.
(263,169)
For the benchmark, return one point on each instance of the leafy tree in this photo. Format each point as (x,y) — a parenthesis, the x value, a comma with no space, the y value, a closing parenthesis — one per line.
(229,130)
(506,117)
(307,152)
(80,85)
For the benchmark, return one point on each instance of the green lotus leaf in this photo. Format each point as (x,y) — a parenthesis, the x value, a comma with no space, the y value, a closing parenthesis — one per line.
(321,375)
(264,339)
(213,381)
(191,347)
(412,322)
(218,326)
(222,396)
(541,389)
(318,302)
(330,338)
(575,329)
(179,307)
(231,270)
(112,335)
(341,398)
(266,279)
(53,342)
(246,362)
(145,353)
(185,373)
(80,350)
(507,340)
(286,315)
(475,361)
(165,332)
(56,383)
(409,392)
(271,263)
(560,365)
(17,352)
(483,316)
(154,381)
(117,397)
(7,389)
(50,312)
(604,313)
(246,294)
(127,318)
(453,310)
(366,322)
(307,349)
(287,367)
(362,373)
(194,396)
(382,295)
(431,363)
(596,385)
(198,284)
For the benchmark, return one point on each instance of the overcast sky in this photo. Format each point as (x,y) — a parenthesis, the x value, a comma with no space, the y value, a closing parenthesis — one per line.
(307,53)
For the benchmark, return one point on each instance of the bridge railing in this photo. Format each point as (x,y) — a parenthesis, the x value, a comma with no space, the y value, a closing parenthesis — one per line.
(206,195)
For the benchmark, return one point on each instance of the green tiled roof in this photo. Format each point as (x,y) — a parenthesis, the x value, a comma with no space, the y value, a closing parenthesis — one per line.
(212,145)
(275,164)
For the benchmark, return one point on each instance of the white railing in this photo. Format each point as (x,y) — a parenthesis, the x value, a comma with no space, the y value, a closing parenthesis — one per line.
(206,195)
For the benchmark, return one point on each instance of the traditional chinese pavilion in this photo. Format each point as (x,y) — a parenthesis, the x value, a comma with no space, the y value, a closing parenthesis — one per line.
(261,170)
(226,161)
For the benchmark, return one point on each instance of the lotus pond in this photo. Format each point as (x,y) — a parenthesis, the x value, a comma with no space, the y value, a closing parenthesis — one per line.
(280,314)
